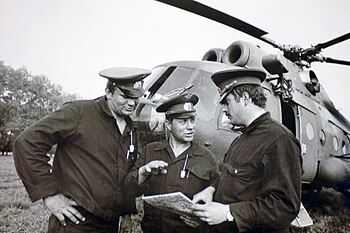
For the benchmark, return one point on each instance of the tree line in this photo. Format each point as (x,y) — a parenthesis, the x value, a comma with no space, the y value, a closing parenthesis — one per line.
(24,99)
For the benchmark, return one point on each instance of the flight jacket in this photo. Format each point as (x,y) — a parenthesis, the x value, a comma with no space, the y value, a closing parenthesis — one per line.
(90,163)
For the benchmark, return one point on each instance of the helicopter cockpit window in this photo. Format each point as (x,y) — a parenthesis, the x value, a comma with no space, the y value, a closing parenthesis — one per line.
(167,82)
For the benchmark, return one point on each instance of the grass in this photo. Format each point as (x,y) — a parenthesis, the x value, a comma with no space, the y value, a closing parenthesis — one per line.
(17,213)
(329,209)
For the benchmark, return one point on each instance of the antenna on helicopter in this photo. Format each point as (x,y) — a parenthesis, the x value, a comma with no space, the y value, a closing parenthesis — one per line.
(296,54)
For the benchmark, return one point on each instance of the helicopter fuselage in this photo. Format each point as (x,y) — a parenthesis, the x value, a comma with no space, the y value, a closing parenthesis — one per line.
(294,98)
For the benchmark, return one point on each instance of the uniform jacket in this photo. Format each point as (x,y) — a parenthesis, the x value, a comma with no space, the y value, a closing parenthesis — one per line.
(201,172)
(261,178)
(90,162)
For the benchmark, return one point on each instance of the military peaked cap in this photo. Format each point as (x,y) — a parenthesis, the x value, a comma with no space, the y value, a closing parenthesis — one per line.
(228,79)
(181,106)
(127,79)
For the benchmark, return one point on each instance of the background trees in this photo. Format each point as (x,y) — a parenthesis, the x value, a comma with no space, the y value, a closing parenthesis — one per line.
(25,98)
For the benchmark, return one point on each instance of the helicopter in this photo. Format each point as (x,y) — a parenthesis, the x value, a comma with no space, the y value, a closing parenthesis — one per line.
(294,94)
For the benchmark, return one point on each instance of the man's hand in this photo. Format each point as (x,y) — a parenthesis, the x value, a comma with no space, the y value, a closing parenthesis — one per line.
(125,225)
(192,222)
(154,167)
(61,206)
(213,212)
(205,195)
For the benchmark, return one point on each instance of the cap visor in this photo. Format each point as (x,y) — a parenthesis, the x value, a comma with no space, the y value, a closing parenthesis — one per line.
(222,98)
(183,115)
(131,92)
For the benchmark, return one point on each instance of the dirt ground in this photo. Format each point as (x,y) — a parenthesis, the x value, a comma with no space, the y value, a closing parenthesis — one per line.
(329,209)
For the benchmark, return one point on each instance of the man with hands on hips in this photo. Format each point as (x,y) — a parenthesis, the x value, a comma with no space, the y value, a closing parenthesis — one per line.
(96,148)
(260,185)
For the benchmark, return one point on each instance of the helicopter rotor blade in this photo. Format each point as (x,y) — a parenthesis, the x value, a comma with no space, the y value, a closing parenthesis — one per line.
(332,42)
(221,17)
(336,61)
(293,53)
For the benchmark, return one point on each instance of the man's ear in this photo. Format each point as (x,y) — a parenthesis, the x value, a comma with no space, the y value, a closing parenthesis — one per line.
(108,93)
(246,98)
(168,125)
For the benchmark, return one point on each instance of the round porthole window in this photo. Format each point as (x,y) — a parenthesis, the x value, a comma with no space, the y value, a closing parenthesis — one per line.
(310,131)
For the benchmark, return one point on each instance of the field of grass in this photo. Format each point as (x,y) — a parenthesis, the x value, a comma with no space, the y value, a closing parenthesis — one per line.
(17,213)
(329,209)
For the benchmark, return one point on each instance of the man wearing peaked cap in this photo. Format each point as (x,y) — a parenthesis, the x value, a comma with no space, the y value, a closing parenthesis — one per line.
(227,80)
(173,165)
(179,107)
(128,80)
(260,185)
(96,147)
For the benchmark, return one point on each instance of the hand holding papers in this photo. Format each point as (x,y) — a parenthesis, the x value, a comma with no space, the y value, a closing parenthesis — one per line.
(176,203)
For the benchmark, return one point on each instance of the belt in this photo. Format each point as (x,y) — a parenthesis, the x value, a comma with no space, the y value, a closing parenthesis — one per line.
(96,220)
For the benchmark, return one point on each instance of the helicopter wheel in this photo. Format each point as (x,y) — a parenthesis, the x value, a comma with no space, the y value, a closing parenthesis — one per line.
(345,192)
(311,189)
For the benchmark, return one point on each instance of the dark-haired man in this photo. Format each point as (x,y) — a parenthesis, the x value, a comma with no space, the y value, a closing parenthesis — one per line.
(174,165)
(96,147)
(259,189)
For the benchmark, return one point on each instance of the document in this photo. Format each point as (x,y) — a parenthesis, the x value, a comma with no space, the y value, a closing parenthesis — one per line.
(176,203)
(303,219)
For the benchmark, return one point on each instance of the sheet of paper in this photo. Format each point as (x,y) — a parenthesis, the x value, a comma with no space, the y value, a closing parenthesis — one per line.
(303,219)
(176,203)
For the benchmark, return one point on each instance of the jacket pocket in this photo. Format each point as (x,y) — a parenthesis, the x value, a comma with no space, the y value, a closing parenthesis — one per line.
(239,172)
(200,173)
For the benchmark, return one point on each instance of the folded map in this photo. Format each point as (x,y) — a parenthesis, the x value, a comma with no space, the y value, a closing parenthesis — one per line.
(177,203)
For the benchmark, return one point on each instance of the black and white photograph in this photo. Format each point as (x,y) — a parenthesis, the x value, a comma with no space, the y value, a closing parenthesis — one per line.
(174,116)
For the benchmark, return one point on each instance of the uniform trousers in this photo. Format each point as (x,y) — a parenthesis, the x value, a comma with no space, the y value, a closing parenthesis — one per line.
(92,223)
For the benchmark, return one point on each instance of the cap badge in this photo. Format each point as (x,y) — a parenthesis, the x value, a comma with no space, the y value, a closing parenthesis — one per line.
(188,96)
(228,87)
(187,106)
(138,85)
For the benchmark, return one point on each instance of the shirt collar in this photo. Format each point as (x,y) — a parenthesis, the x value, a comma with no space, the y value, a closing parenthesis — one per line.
(102,102)
(193,150)
(257,122)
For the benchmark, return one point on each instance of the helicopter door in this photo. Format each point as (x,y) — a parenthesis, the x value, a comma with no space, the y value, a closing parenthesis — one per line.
(288,117)
(309,141)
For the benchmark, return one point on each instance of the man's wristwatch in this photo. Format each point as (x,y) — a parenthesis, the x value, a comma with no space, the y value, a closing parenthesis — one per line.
(229,216)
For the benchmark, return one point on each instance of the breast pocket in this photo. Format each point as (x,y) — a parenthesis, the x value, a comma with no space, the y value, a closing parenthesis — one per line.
(194,182)
(200,173)
(239,172)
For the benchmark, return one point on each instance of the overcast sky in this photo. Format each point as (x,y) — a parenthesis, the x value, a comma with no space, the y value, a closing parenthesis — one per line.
(70,41)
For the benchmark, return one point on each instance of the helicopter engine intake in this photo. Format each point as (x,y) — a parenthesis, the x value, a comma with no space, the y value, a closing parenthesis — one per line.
(244,54)
(213,55)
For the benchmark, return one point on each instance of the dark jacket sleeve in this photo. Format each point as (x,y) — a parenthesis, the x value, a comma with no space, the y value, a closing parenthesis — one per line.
(32,145)
(279,200)
(133,189)
(214,174)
